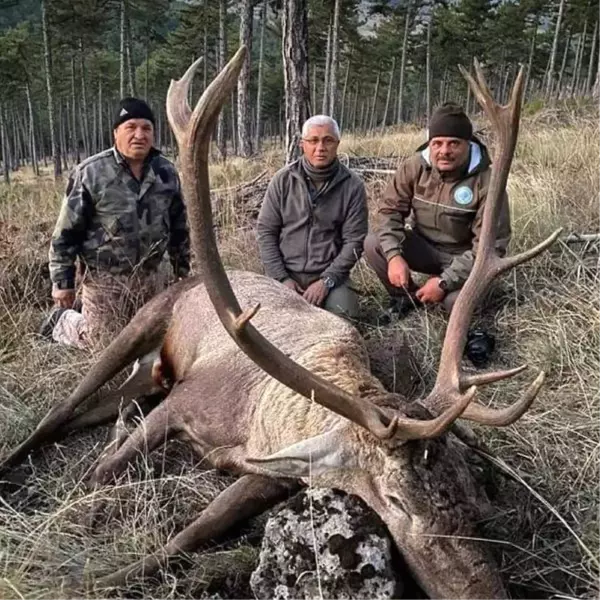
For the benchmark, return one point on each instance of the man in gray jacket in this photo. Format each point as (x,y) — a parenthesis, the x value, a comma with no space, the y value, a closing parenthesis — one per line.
(313,222)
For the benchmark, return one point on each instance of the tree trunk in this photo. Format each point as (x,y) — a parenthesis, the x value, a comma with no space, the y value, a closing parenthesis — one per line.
(84,102)
(563,64)
(222,58)
(128,53)
(122,48)
(579,61)
(343,107)
(373,120)
(244,127)
(294,26)
(554,51)
(74,136)
(259,91)
(50,91)
(400,107)
(389,94)
(313,98)
(234,124)
(32,140)
(18,152)
(428,71)
(334,57)
(100,138)
(355,107)
(530,59)
(147,66)
(325,103)
(4,146)
(64,150)
(588,83)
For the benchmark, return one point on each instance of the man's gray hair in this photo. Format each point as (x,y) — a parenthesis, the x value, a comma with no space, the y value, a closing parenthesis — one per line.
(320,120)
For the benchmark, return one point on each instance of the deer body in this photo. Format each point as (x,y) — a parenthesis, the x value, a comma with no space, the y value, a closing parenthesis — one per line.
(239,418)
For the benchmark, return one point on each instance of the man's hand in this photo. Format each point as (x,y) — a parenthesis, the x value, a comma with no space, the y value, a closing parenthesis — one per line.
(316,293)
(431,293)
(293,285)
(398,272)
(63,298)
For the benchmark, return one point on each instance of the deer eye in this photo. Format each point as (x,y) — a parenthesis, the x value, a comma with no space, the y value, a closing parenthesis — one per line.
(396,503)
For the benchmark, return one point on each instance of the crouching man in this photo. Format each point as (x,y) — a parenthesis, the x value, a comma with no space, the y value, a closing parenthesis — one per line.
(313,222)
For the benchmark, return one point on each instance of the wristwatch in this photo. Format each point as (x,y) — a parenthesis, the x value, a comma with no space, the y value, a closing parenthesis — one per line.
(443,284)
(329,282)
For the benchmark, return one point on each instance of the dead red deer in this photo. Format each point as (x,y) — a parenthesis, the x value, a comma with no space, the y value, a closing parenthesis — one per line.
(302,399)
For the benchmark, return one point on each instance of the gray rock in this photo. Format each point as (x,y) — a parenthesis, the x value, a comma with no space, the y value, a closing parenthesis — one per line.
(325,544)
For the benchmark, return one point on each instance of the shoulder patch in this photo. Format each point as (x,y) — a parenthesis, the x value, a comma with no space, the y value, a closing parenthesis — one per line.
(463,195)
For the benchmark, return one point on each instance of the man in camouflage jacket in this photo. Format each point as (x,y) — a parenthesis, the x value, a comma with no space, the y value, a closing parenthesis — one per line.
(122,210)
(431,215)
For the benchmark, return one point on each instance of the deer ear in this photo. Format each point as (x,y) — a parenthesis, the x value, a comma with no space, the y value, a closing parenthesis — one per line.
(311,457)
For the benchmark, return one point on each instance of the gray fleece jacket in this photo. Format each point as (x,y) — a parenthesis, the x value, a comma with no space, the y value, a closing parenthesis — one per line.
(323,236)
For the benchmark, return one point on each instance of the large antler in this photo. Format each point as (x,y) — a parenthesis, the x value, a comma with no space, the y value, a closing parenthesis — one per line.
(488,265)
(192,131)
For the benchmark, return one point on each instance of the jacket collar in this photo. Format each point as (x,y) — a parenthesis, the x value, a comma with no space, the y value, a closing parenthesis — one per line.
(479,158)
(342,173)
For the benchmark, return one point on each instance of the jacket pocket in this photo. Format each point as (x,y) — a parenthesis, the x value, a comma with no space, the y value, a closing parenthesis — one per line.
(456,224)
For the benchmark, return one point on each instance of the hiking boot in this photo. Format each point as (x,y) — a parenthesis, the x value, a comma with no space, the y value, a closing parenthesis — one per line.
(402,305)
(49,323)
(480,346)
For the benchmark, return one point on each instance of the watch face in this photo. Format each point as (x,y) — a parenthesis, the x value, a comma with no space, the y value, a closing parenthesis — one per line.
(329,282)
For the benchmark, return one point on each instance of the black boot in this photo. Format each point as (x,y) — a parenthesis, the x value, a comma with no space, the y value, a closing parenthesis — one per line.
(480,346)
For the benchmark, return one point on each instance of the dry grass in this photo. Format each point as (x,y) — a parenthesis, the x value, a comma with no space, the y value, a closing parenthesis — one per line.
(546,314)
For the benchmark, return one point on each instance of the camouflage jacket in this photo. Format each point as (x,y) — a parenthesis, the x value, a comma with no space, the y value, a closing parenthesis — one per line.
(113,222)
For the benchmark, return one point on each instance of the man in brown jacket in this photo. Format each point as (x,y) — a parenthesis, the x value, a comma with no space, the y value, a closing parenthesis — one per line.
(431,215)
(313,222)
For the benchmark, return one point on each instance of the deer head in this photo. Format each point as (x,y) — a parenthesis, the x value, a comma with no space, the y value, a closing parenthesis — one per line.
(397,457)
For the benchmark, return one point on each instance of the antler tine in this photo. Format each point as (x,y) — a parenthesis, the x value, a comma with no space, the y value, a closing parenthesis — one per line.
(505,121)
(182,112)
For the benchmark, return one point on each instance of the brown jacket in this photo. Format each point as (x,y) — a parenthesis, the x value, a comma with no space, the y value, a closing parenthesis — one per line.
(447,212)
(324,236)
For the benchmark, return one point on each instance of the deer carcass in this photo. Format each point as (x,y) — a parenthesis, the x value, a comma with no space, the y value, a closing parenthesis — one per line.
(298,400)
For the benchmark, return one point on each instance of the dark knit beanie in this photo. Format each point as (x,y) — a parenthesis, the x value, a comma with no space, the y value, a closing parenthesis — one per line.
(132,108)
(450,120)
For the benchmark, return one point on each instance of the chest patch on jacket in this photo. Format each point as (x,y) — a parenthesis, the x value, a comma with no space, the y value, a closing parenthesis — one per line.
(463,195)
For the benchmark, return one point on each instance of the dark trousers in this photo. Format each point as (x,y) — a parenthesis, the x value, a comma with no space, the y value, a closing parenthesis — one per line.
(421,257)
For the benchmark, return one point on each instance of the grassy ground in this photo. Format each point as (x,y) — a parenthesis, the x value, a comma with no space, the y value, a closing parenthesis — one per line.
(546,314)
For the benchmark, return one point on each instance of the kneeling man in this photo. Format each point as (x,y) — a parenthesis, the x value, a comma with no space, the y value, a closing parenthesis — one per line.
(313,222)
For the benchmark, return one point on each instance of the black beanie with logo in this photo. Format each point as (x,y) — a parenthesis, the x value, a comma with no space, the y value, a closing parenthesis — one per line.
(450,120)
(132,108)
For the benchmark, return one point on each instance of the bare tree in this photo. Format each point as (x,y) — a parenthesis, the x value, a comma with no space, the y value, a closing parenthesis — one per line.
(32,138)
(294,48)
(222,58)
(428,70)
(325,104)
(6,162)
(554,51)
(244,127)
(259,90)
(334,57)
(389,93)
(578,60)
(50,91)
(122,49)
(400,107)
(590,73)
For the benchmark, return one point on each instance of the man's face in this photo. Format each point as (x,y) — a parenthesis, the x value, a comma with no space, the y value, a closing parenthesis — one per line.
(448,153)
(320,145)
(134,138)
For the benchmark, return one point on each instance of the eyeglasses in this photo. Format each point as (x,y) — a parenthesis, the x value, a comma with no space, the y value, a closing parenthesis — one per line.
(326,141)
